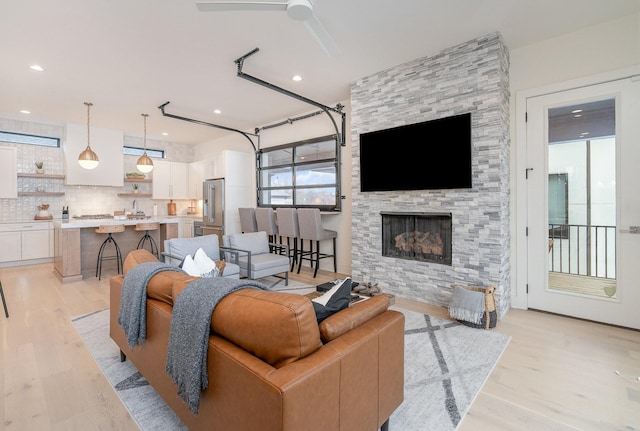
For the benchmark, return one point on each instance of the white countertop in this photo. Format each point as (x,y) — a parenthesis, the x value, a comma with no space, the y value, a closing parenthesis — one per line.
(86,223)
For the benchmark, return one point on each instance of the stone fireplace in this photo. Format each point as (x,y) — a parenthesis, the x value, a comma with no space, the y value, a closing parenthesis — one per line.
(423,237)
(468,78)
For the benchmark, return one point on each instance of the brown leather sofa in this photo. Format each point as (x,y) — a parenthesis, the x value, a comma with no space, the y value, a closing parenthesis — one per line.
(270,365)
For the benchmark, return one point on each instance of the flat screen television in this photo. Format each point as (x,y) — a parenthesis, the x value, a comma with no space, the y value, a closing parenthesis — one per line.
(431,155)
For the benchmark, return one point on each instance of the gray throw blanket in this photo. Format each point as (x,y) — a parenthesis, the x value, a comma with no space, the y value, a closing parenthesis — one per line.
(189,335)
(467,305)
(132,315)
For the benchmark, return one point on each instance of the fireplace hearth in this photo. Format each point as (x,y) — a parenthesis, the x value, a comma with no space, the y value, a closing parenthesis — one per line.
(424,237)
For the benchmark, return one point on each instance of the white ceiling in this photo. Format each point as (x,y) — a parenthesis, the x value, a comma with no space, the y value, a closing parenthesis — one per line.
(128,57)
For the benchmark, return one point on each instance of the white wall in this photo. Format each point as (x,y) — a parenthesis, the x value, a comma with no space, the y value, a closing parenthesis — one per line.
(319,125)
(593,54)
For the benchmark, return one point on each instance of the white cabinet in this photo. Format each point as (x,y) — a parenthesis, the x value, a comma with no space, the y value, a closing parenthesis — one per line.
(26,241)
(8,173)
(10,246)
(107,144)
(239,170)
(170,180)
(36,244)
(198,172)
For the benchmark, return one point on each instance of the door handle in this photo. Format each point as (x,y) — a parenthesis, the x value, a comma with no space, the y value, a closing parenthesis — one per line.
(526,173)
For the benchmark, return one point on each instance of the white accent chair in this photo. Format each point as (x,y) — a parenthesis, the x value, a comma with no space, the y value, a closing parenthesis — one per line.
(253,255)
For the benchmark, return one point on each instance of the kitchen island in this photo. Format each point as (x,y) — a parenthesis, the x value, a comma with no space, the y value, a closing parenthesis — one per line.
(76,244)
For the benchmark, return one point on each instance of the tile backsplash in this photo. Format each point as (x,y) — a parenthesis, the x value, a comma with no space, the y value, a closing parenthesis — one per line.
(81,200)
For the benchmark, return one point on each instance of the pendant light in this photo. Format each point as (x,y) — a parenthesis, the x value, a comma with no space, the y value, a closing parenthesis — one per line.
(145,164)
(88,159)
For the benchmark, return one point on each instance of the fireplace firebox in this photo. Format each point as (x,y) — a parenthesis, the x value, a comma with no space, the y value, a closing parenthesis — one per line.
(424,237)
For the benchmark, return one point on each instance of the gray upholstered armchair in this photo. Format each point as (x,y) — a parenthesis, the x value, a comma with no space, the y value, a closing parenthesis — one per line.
(176,249)
(254,256)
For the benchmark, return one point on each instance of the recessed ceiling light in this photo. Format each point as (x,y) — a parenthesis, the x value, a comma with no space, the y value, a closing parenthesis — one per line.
(296,78)
(577,116)
(584,133)
(165,134)
(217,111)
(24,111)
(576,111)
(37,67)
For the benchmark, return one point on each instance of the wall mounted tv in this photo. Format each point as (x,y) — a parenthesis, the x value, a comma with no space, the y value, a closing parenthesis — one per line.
(431,155)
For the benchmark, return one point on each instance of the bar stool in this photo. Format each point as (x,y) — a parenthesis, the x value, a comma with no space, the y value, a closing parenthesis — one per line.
(266,221)
(248,220)
(109,230)
(4,302)
(312,230)
(288,227)
(146,227)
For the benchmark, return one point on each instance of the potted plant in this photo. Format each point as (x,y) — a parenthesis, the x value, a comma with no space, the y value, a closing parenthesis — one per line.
(39,167)
(135,188)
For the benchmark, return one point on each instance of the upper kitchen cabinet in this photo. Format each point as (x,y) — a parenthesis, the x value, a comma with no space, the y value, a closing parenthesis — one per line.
(8,173)
(198,172)
(170,180)
(107,144)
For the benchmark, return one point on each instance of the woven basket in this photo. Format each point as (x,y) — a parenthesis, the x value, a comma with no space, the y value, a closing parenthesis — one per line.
(490,317)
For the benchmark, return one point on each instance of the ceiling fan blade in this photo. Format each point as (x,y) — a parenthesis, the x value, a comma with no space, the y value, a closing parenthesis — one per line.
(215,6)
(322,36)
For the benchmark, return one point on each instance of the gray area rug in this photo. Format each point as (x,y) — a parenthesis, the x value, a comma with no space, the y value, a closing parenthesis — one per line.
(277,284)
(446,364)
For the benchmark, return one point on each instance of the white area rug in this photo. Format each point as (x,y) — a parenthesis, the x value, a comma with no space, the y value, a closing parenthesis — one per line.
(446,364)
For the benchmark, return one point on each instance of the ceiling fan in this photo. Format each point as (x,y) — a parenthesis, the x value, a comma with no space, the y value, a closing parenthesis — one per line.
(300,10)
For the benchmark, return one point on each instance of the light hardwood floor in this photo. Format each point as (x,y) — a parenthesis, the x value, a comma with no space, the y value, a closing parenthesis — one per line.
(556,374)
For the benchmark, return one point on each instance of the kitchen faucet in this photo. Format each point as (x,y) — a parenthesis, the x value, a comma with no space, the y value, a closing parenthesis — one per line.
(135,208)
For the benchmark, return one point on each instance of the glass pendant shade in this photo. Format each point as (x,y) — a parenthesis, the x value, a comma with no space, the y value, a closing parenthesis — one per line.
(88,159)
(145,164)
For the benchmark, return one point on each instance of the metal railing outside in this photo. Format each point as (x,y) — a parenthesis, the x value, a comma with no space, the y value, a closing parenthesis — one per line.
(588,250)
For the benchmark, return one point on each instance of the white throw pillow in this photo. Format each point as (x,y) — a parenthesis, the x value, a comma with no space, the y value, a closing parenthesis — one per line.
(190,267)
(203,262)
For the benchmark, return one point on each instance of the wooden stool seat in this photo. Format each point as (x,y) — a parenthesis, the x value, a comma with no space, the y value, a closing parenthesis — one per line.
(109,229)
(146,227)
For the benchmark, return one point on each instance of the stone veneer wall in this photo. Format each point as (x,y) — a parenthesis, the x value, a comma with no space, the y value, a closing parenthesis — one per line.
(471,77)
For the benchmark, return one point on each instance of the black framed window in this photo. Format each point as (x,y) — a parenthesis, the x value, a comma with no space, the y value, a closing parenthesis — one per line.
(301,174)
(21,138)
(137,151)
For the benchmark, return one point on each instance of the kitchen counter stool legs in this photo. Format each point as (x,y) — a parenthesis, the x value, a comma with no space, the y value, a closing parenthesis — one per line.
(109,230)
(288,227)
(146,227)
(311,229)
(4,302)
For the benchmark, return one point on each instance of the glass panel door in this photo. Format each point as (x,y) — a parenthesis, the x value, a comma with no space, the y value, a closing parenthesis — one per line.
(582,207)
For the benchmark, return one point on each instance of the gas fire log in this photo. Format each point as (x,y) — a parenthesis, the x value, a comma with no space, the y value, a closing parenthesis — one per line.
(417,241)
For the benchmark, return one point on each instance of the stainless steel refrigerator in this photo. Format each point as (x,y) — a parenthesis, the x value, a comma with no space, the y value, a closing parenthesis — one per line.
(213,207)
